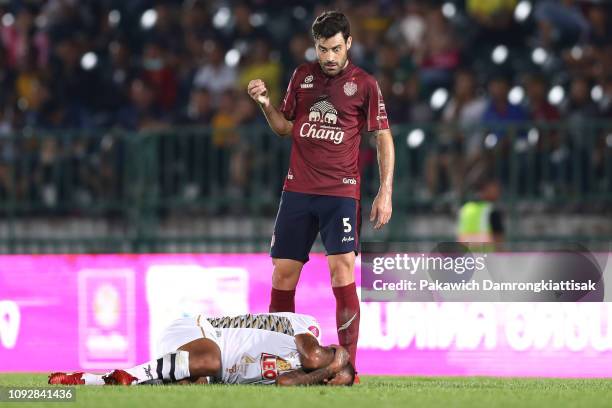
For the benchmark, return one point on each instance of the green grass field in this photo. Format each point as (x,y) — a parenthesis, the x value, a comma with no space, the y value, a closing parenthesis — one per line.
(373,392)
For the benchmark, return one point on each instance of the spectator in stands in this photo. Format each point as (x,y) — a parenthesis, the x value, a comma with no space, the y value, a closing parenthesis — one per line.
(215,75)
(560,23)
(499,109)
(241,32)
(142,113)
(28,79)
(19,37)
(537,103)
(117,78)
(416,109)
(459,144)
(156,71)
(579,107)
(605,104)
(259,64)
(200,109)
(438,55)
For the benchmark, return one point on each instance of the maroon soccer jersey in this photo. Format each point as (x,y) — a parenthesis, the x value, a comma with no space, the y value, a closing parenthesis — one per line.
(328,115)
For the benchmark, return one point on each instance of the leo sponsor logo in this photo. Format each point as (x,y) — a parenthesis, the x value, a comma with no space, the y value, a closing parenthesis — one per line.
(10,319)
(268,366)
(321,124)
(272,365)
(347,180)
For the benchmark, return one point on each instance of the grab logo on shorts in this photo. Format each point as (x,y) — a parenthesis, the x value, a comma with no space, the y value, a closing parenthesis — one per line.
(321,124)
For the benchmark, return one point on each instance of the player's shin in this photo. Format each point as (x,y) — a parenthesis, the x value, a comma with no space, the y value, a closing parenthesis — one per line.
(170,367)
(347,318)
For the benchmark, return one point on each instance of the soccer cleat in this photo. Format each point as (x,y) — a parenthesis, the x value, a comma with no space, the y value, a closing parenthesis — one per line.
(356,380)
(119,377)
(66,379)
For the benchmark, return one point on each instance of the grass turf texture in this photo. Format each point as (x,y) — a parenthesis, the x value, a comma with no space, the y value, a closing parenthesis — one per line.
(373,392)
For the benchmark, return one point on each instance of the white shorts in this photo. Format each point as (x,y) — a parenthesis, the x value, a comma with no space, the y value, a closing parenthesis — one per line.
(186,330)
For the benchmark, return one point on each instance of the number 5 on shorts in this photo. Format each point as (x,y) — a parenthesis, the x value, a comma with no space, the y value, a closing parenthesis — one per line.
(346,224)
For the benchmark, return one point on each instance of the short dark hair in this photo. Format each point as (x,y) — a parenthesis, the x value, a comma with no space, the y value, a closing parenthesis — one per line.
(330,23)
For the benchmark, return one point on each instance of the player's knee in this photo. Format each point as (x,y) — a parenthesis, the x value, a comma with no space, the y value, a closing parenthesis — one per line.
(342,272)
(285,273)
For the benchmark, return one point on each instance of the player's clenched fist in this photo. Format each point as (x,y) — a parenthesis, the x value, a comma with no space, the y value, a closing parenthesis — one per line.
(258,91)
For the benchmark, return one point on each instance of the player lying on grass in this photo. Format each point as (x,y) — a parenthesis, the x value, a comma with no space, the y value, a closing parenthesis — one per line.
(271,348)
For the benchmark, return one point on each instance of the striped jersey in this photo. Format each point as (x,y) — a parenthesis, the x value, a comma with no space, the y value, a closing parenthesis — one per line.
(257,348)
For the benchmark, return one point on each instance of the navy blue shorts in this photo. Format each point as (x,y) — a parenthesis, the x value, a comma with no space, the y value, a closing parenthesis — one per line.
(302,216)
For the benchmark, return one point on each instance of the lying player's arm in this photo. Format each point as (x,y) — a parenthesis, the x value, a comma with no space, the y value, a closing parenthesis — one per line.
(382,206)
(318,363)
(301,377)
(312,355)
(258,91)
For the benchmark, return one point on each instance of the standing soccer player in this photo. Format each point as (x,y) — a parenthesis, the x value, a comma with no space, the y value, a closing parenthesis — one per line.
(327,105)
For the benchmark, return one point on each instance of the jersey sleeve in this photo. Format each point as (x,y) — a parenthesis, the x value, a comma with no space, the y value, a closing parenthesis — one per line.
(375,107)
(287,107)
(304,324)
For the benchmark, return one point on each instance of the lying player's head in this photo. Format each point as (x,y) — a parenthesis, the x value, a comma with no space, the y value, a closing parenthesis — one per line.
(332,35)
(346,376)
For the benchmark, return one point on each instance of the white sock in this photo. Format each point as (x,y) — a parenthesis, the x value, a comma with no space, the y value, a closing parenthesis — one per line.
(170,367)
(93,379)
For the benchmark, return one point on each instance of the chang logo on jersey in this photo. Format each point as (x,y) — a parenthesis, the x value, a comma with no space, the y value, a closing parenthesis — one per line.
(322,119)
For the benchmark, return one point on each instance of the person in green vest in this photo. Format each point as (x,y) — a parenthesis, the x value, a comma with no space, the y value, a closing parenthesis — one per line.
(480,221)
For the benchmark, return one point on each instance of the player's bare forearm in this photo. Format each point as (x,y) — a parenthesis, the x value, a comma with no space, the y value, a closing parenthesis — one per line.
(382,205)
(386,159)
(300,377)
(337,356)
(276,120)
(312,355)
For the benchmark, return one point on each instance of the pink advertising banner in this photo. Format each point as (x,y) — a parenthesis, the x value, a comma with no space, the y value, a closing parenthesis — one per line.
(95,312)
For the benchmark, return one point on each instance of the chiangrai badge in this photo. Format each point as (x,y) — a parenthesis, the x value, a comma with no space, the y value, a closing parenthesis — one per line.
(350,88)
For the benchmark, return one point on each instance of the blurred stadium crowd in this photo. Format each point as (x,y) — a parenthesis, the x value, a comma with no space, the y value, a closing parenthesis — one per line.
(144,65)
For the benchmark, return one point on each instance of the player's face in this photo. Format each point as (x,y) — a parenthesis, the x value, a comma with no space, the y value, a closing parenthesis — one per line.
(332,53)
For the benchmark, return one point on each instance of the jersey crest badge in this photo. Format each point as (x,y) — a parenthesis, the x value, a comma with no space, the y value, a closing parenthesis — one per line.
(350,88)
